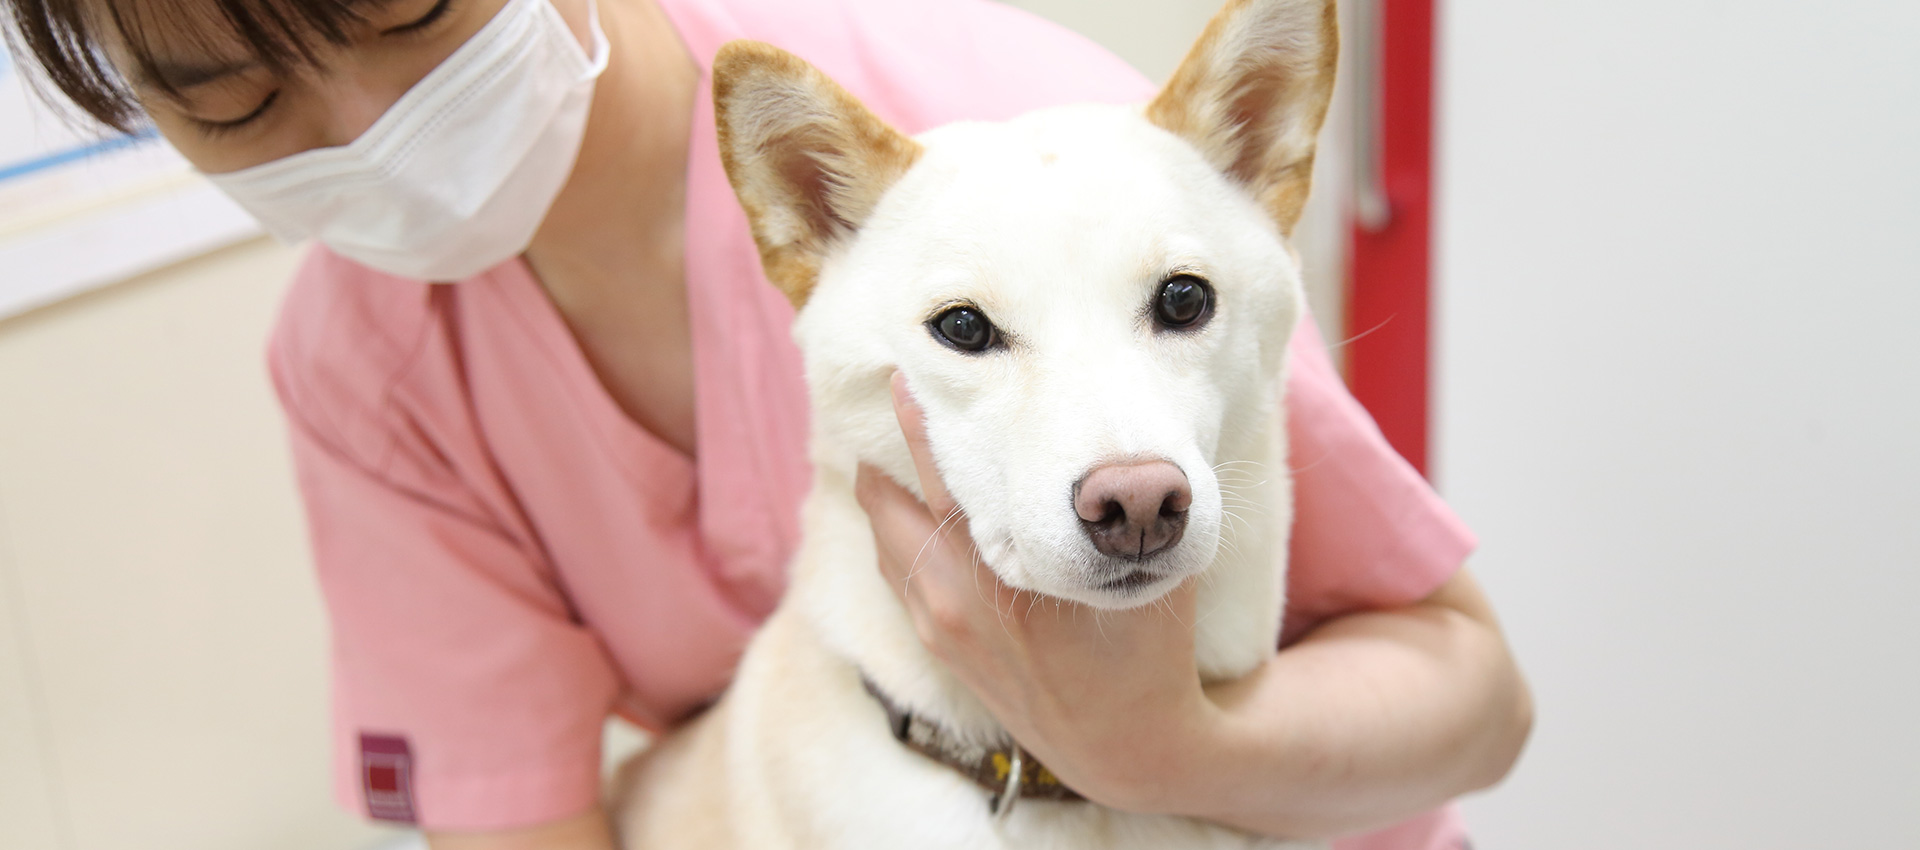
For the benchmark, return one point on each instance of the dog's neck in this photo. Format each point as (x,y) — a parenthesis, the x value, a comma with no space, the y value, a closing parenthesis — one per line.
(840,591)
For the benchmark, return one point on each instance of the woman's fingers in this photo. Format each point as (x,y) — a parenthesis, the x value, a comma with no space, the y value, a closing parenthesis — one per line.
(930,565)
(913,425)
(907,537)
(894,513)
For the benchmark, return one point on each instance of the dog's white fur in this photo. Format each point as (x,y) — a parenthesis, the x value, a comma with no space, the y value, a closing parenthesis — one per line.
(1059,226)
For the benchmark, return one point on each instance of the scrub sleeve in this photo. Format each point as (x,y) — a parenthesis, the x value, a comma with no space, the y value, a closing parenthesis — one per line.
(443,622)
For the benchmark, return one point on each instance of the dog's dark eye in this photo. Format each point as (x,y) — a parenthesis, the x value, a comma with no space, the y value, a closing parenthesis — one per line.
(1183,302)
(964,328)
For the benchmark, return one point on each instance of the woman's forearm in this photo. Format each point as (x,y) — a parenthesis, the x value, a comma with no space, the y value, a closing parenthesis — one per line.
(1372,718)
(585,831)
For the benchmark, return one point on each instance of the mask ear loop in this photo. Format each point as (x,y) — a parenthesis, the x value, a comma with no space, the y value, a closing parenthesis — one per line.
(597,60)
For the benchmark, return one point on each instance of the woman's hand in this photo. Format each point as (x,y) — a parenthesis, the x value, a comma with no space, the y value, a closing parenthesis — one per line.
(1108,701)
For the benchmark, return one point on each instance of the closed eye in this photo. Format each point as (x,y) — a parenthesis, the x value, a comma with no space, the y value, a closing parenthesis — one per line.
(215,128)
(438,11)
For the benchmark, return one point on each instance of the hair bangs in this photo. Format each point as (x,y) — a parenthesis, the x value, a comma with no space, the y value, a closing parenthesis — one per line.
(67,40)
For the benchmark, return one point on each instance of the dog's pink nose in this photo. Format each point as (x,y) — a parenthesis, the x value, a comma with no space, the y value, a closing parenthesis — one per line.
(1133,510)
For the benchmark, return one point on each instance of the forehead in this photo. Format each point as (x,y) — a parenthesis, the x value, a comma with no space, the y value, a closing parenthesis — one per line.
(171,42)
(1083,190)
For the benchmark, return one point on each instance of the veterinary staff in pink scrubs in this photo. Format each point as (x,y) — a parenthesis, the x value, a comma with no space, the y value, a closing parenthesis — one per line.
(550,426)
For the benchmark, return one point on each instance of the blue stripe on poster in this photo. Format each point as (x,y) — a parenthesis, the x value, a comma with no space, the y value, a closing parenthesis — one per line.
(58,158)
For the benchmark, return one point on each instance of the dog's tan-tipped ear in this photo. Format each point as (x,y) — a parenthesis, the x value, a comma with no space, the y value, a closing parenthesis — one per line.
(1252,93)
(808,161)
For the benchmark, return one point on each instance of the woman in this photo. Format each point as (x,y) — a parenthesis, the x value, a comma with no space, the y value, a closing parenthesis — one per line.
(550,429)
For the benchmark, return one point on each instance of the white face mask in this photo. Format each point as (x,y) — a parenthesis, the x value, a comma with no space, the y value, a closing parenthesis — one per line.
(457,175)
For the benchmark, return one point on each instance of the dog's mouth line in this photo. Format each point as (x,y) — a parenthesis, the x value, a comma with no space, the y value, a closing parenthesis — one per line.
(1133,580)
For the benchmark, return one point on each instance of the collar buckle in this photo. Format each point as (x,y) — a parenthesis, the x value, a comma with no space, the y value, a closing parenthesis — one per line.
(1001,803)
(1002,773)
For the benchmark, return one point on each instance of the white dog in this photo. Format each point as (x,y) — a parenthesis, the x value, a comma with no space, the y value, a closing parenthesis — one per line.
(1092,306)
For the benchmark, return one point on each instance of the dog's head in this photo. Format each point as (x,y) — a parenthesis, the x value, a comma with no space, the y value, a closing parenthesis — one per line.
(1091,304)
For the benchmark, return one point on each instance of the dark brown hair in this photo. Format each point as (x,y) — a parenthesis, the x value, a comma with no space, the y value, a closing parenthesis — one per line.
(64,39)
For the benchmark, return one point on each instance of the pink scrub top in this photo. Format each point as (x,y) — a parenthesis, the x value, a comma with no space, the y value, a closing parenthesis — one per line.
(507,558)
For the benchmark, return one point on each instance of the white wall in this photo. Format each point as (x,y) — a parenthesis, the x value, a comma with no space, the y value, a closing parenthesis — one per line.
(162,663)
(1679,399)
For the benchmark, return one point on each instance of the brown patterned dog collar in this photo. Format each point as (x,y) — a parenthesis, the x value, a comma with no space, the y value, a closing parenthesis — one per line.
(1008,773)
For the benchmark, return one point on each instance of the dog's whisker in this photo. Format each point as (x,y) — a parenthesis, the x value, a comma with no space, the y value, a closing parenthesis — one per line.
(1238,462)
(1238,473)
(1204,617)
(1363,334)
(1231,545)
(914,569)
(1012,602)
(1230,515)
(1299,469)
(1232,548)
(1164,603)
(978,591)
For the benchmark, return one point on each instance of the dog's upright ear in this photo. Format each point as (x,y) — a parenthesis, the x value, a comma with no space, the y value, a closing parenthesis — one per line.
(808,161)
(1252,93)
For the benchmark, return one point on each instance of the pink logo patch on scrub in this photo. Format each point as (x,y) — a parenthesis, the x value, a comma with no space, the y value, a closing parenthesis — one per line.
(386,775)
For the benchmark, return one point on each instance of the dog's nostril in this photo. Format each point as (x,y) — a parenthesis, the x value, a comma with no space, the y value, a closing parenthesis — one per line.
(1133,510)
(1173,506)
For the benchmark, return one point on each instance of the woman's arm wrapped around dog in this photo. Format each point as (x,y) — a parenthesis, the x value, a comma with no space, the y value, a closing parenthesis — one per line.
(1371,718)
(588,830)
